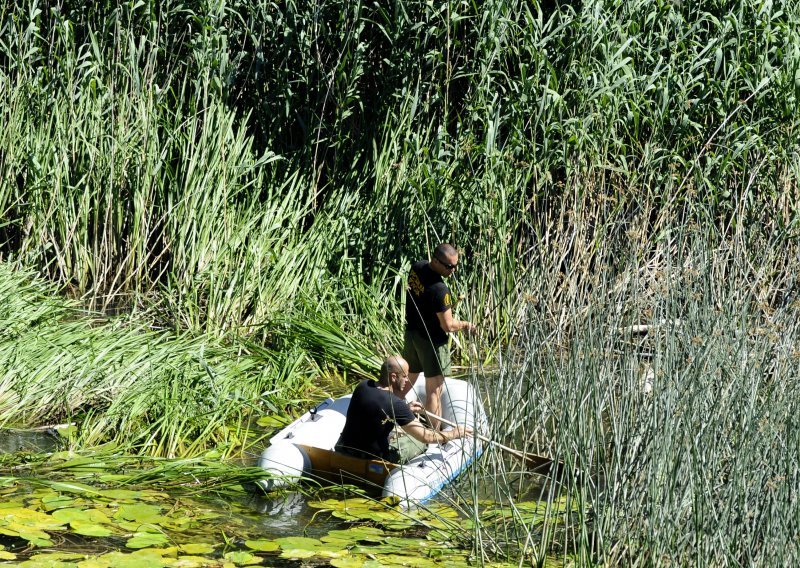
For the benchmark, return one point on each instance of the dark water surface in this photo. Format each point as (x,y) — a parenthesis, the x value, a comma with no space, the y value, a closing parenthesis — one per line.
(34,441)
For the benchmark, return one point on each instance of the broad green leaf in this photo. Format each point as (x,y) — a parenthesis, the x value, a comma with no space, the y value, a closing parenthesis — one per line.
(348,562)
(21,516)
(68,515)
(117,559)
(145,540)
(53,501)
(304,547)
(190,562)
(242,558)
(299,542)
(197,548)
(354,535)
(140,513)
(262,545)
(90,529)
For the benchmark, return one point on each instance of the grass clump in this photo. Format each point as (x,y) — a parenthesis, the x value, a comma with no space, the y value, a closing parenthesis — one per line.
(156,392)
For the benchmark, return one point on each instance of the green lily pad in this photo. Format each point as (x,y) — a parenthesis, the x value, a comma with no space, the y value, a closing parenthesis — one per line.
(197,548)
(299,547)
(54,500)
(354,535)
(23,517)
(262,545)
(117,559)
(90,529)
(242,558)
(146,539)
(299,542)
(191,562)
(71,514)
(349,562)
(53,559)
(140,513)
(6,555)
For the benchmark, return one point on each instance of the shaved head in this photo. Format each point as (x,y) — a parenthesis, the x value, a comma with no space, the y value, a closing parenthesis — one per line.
(392,364)
(445,250)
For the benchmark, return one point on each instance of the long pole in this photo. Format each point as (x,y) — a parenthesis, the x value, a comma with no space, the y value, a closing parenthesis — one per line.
(540,464)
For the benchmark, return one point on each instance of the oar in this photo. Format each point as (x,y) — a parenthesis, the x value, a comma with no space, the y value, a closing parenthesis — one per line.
(539,464)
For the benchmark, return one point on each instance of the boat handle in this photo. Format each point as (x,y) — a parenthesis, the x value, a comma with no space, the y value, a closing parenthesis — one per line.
(313,411)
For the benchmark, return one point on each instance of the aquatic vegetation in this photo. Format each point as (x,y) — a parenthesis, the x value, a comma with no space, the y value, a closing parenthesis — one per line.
(248,181)
(147,525)
(122,381)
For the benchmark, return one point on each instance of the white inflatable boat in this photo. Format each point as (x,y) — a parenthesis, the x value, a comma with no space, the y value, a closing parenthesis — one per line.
(304,448)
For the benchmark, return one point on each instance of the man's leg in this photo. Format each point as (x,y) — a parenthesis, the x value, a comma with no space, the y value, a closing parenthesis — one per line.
(433,398)
(414,365)
(436,364)
(407,447)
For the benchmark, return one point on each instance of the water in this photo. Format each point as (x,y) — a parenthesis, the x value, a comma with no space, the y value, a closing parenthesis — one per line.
(32,441)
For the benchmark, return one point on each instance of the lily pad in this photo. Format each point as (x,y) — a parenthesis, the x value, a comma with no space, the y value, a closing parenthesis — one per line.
(299,547)
(262,545)
(146,539)
(242,558)
(28,524)
(71,514)
(54,500)
(140,513)
(197,548)
(349,562)
(191,562)
(354,535)
(117,559)
(90,529)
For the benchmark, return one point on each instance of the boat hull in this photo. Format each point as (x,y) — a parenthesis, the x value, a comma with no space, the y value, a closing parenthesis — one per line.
(304,449)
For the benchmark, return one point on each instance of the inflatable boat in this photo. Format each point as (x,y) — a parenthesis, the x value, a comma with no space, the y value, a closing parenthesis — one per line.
(305,449)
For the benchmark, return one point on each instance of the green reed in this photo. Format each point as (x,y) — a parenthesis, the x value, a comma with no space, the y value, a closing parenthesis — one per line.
(122,381)
(256,178)
(683,436)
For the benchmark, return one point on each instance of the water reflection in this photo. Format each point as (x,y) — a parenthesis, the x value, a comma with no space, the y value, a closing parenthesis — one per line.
(36,441)
(287,514)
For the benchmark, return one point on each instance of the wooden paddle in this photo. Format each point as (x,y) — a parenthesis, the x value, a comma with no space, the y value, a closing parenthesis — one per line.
(539,464)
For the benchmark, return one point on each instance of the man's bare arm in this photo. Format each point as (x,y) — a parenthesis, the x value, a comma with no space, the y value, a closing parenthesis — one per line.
(425,435)
(449,325)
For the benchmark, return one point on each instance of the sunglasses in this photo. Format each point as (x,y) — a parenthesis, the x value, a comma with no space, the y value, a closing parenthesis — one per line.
(447,264)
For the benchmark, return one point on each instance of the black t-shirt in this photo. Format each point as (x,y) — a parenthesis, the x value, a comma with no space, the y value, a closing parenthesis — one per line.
(426,296)
(372,414)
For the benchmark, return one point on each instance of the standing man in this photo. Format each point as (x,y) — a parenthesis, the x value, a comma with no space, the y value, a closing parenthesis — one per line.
(429,318)
(374,411)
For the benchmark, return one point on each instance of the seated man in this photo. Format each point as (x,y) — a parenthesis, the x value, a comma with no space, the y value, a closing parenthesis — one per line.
(374,411)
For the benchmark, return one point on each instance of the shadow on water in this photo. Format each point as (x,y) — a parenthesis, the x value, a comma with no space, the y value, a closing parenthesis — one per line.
(35,441)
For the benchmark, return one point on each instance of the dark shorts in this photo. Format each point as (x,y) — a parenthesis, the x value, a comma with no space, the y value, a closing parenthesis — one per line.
(422,356)
(402,448)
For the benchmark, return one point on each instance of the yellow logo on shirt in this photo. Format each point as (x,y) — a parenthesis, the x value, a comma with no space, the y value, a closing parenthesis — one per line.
(415,284)
(447,300)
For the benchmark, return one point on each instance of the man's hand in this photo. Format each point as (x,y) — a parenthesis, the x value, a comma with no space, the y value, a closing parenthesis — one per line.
(460,432)
(416,406)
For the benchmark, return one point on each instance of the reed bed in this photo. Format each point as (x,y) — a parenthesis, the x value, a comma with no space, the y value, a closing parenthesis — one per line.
(683,433)
(123,382)
(251,180)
